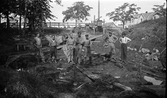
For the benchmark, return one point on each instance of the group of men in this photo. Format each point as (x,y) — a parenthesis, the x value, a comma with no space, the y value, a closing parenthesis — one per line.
(77,49)
(111,40)
(73,46)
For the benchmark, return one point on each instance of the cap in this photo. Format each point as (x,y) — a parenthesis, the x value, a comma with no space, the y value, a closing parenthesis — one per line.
(110,32)
(124,33)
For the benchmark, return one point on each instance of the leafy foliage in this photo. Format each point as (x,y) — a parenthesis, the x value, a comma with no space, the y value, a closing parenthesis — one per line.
(35,11)
(78,11)
(123,13)
(7,7)
(154,32)
(160,9)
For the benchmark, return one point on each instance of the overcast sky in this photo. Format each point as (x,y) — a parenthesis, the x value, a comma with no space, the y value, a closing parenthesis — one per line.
(105,7)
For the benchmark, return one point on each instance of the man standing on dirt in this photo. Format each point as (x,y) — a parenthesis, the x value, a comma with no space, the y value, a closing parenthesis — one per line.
(87,46)
(38,45)
(78,48)
(70,45)
(53,48)
(110,40)
(124,40)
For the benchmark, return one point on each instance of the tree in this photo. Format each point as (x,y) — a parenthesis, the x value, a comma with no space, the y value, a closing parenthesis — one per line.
(124,13)
(6,8)
(79,11)
(35,11)
(160,9)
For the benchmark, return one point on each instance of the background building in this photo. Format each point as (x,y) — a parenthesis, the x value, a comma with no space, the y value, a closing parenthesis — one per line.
(138,18)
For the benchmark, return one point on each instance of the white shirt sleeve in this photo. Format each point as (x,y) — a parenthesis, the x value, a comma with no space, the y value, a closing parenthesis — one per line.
(128,39)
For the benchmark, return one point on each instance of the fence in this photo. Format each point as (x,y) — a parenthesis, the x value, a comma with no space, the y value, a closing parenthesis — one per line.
(50,24)
(63,25)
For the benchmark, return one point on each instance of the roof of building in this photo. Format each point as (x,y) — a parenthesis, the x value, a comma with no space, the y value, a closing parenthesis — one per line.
(136,16)
(109,24)
(148,16)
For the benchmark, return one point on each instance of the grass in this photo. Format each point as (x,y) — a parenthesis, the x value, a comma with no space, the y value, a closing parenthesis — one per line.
(149,29)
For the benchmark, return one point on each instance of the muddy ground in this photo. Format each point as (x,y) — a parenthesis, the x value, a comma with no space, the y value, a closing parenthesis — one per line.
(130,74)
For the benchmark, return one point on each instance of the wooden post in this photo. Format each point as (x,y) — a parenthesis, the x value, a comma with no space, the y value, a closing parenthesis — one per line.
(58,25)
(163,50)
(104,30)
(126,88)
(50,24)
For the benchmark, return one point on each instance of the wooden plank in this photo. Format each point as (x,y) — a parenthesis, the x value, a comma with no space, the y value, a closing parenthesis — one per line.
(119,85)
(154,75)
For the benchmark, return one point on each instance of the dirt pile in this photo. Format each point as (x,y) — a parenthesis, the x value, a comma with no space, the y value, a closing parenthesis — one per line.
(152,34)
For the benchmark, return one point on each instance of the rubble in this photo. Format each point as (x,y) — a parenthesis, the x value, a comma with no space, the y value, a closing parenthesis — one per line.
(144,50)
(102,79)
(153,80)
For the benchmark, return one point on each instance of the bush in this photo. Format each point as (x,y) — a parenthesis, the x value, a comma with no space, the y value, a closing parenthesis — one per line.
(8,33)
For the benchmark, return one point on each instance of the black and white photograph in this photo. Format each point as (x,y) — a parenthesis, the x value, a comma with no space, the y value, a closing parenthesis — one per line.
(83,49)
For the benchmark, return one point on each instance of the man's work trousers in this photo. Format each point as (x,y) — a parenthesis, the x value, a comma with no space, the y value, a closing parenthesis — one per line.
(39,52)
(112,49)
(123,51)
(88,54)
(78,54)
(53,52)
(70,53)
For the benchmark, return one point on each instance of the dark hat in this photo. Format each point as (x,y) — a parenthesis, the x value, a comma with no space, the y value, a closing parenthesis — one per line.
(86,35)
(73,31)
(124,33)
(110,32)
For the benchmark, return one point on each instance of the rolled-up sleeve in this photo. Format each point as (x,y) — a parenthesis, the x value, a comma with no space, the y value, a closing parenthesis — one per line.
(129,39)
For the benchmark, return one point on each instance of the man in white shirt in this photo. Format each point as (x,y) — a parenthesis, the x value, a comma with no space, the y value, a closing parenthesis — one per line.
(124,40)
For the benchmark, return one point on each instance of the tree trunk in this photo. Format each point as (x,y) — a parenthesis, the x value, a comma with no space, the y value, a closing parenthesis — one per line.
(8,22)
(123,24)
(79,23)
(30,24)
(20,15)
(24,21)
(25,12)
(0,18)
(33,25)
(20,23)
(76,20)
(7,16)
